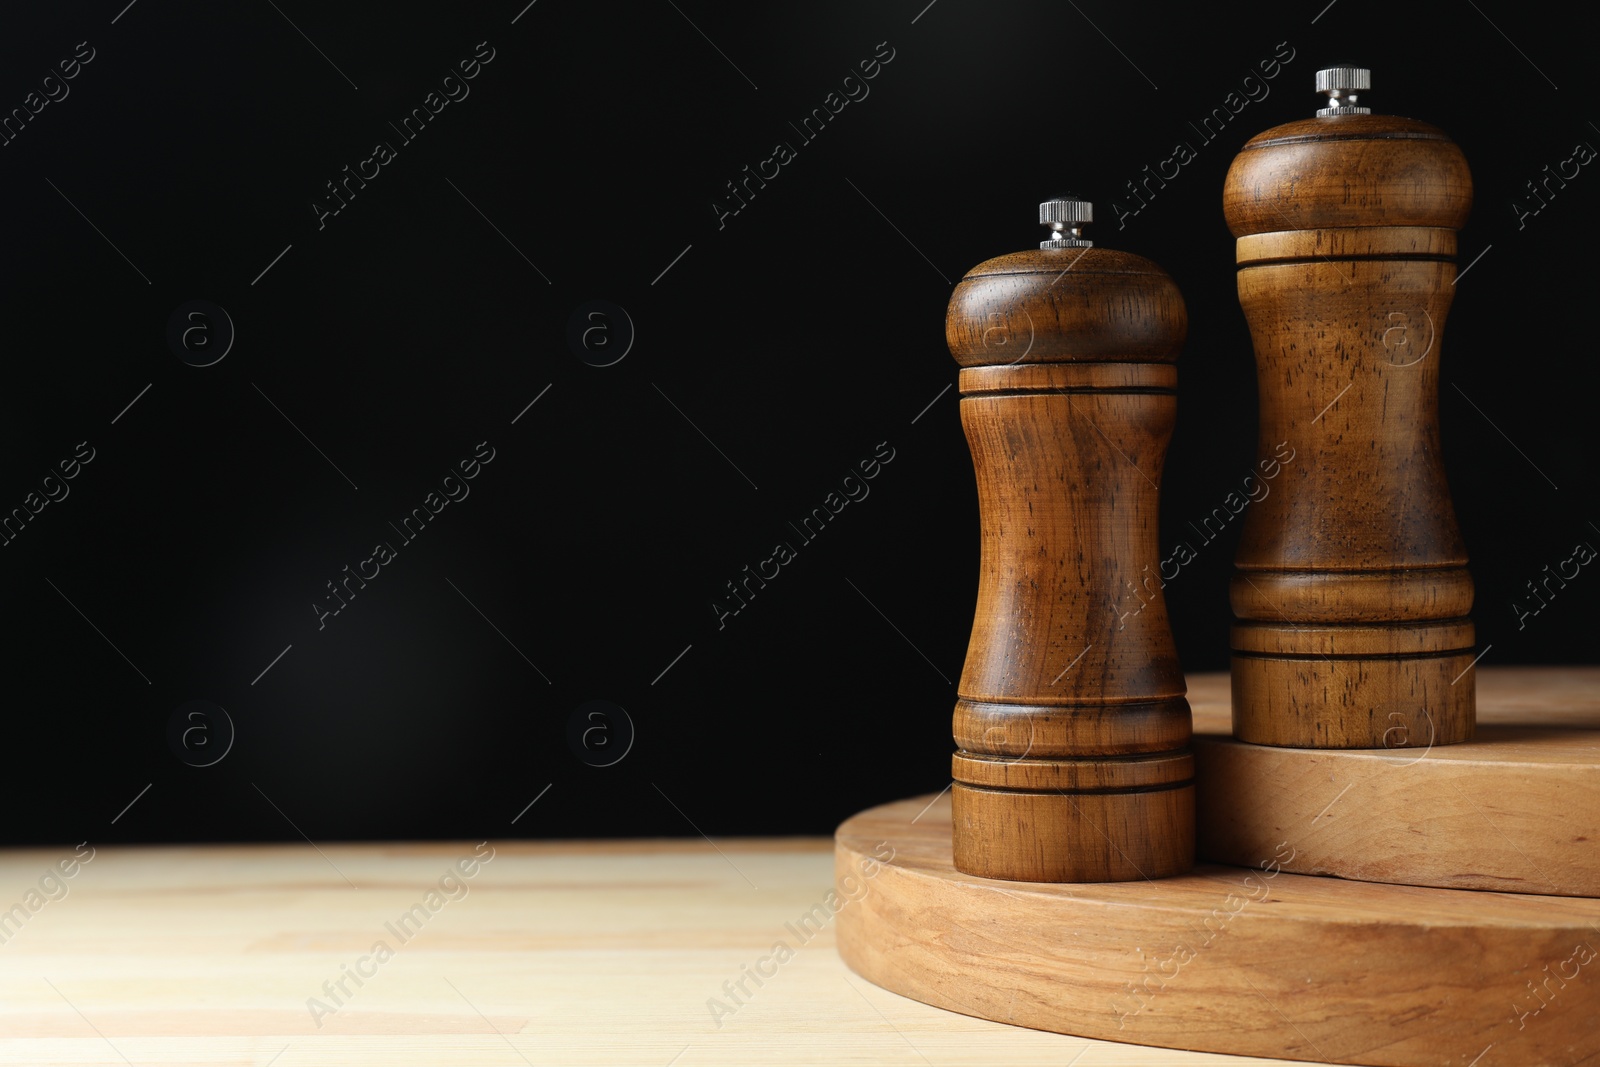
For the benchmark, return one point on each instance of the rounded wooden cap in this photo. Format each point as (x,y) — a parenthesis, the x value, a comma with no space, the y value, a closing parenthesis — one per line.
(1347,170)
(1066,305)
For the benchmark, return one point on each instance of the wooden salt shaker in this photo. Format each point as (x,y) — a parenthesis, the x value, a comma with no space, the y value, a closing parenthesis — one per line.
(1071,723)
(1351,590)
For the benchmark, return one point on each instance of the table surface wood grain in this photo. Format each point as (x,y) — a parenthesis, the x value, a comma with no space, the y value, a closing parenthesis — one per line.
(550,952)
(557,953)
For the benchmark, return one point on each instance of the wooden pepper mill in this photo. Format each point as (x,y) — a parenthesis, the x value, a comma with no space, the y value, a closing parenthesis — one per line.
(1351,590)
(1071,723)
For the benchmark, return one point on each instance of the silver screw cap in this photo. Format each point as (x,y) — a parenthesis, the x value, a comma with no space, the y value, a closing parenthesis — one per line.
(1066,219)
(1342,86)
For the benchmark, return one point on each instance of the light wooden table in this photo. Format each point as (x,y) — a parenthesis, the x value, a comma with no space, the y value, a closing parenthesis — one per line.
(548,953)
(558,953)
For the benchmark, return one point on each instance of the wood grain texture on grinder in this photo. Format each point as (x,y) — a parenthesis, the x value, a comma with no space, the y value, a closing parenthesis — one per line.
(1071,724)
(1351,592)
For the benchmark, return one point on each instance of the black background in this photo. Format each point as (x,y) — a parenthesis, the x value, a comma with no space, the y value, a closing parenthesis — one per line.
(796,337)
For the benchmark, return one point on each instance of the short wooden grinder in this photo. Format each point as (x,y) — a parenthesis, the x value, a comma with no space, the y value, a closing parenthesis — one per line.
(1071,723)
(1351,590)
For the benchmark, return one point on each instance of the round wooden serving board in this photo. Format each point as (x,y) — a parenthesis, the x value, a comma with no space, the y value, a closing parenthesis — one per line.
(1516,809)
(1253,961)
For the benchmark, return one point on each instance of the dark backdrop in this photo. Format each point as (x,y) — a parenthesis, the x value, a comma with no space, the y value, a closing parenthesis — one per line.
(375,348)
